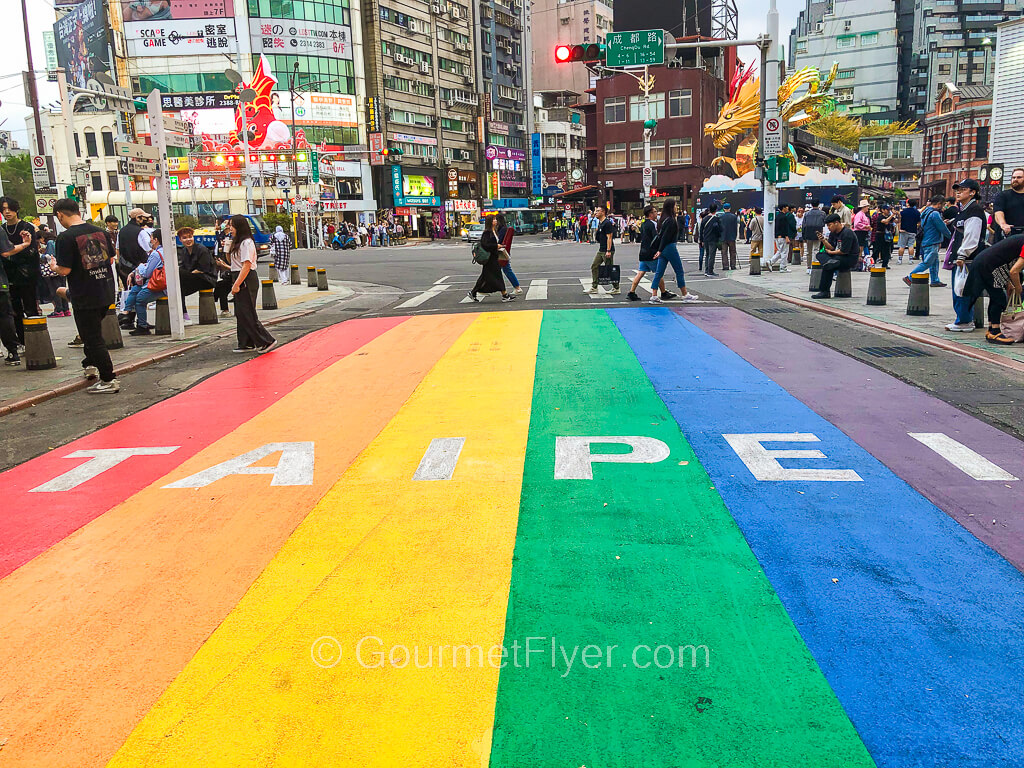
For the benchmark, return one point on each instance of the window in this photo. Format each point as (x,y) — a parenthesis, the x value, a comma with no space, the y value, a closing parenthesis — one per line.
(97,181)
(549,140)
(198,82)
(981,142)
(614,156)
(615,110)
(658,152)
(638,111)
(112,181)
(333,11)
(340,72)
(636,154)
(680,103)
(959,143)
(78,147)
(869,38)
(945,148)
(801,46)
(680,151)
(846,42)
(108,143)
(846,74)
(902,149)
(451,124)
(90,143)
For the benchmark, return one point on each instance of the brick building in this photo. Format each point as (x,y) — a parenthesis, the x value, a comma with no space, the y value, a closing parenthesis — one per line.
(956,137)
(683,101)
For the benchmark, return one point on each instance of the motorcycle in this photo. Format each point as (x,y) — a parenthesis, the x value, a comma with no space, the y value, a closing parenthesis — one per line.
(344,242)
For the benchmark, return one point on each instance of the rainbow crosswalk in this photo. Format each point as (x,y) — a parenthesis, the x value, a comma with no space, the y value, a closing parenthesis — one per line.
(603,538)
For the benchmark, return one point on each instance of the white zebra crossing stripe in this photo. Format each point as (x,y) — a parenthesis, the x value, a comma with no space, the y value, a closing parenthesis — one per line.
(602,293)
(538,290)
(427,295)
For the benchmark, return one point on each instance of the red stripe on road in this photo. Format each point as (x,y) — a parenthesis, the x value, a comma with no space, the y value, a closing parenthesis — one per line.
(30,522)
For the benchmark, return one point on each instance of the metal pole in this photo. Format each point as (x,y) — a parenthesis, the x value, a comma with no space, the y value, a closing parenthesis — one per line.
(126,179)
(163,196)
(647,135)
(245,149)
(770,102)
(33,95)
(66,117)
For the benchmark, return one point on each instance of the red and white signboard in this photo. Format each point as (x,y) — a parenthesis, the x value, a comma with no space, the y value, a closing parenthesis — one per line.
(40,173)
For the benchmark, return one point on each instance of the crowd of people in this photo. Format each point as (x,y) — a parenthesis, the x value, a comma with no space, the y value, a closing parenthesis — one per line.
(85,270)
(375,234)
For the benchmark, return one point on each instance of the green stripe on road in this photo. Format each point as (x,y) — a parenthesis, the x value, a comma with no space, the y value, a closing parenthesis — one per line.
(643,555)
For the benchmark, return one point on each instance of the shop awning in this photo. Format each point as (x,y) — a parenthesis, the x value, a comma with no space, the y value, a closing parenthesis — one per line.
(576,191)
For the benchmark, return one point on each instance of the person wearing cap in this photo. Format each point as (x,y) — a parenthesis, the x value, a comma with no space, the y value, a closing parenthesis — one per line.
(968,241)
(882,232)
(130,255)
(730,230)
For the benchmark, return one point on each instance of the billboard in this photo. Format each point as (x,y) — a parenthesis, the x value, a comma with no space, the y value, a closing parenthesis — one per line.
(417,186)
(180,38)
(162,10)
(293,37)
(81,40)
(317,108)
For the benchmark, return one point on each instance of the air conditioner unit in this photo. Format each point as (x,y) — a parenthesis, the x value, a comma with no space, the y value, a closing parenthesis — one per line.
(468,79)
(436,9)
(456,13)
(424,67)
(819,27)
(465,154)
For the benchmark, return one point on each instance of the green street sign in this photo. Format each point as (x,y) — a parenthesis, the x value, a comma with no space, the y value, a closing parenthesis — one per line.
(314,163)
(632,49)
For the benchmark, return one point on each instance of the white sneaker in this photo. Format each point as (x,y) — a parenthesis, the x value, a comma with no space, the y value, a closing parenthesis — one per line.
(655,299)
(614,291)
(519,289)
(958,328)
(590,290)
(783,269)
(91,372)
(105,387)
(690,297)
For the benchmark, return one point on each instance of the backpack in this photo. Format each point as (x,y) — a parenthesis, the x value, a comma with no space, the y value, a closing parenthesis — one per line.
(480,254)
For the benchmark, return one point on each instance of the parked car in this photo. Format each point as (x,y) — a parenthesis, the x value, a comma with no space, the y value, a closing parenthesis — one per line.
(473,232)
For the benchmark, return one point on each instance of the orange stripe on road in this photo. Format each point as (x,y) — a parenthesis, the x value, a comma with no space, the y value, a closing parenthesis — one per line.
(94,629)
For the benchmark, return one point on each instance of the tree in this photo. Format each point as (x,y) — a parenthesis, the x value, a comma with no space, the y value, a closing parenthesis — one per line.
(16,172)
(847,131)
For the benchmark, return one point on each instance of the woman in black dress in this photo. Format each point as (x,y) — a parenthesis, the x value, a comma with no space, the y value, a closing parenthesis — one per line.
(490,280)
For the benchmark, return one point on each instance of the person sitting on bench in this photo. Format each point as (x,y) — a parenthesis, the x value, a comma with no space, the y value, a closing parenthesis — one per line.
(842,251)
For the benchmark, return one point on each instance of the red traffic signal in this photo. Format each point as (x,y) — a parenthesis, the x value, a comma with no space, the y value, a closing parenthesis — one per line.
(562,54)
(590,52)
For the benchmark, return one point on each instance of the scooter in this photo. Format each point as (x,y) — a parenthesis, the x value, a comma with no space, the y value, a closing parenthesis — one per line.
(344,242)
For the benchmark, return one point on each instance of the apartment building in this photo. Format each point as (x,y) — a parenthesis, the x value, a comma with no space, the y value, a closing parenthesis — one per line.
(565,22)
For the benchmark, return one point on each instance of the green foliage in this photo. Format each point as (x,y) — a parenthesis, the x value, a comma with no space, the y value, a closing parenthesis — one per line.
(16,172)
(275,220)
(184,220)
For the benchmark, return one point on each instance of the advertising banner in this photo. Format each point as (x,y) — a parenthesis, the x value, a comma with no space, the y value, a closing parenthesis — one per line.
(417,186)
(162,10)
(372,115)
(319,108)
(81,40)
(375,142)
(171,101)
(292,37)
(535,165)
(180,38)
(413,190)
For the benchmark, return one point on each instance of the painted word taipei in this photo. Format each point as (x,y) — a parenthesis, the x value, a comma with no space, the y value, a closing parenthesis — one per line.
(574,459)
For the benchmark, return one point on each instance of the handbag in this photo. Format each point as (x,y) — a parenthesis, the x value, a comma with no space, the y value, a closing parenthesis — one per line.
(503,257)
(960,280)
(608,274)
(157,280)
(1011,323)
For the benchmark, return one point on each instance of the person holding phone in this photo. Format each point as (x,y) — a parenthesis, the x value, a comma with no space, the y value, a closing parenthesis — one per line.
(842,250)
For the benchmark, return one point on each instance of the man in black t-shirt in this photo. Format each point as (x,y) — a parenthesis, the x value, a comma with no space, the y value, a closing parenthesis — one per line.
(21,266)
(1009,207)
(842,252)
(605,248)
(8,332)
(84,256)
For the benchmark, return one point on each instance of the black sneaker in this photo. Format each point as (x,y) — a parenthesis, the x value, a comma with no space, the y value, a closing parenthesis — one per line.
(508,297)
(76,342)
(820,295)
(632,296)
(140,332)
(666,295)
(13,359)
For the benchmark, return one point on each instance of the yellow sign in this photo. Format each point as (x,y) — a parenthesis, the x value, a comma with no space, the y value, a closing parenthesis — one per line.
(177,164)
(95,209)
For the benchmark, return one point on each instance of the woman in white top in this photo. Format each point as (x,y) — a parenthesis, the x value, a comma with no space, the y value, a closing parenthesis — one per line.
(245,285)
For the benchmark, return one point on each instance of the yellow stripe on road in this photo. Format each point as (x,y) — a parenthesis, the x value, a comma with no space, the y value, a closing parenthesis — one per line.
(423,565)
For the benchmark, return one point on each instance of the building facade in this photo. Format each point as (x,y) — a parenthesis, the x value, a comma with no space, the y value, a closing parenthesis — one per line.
(861,36)
(562,133)
(1007,142)
(956,137)
(681,155)
(568,22)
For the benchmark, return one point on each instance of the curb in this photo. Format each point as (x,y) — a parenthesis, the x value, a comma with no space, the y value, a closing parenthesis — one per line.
(897,330)
(74,386)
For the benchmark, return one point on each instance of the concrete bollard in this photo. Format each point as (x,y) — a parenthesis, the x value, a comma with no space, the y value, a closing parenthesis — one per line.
(755,265)
(163,317)
(207,307)
(295,274)
(917,302)
(274,277)
(876,287)
(979,312)
(311,277)
(844,285)
(269,297)
(112,330)
(321,279)
(38,347)
(815,284)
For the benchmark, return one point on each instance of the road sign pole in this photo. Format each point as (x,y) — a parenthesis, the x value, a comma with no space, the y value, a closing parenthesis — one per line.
(770,109)
(647,135)
(66,118)
(163,196)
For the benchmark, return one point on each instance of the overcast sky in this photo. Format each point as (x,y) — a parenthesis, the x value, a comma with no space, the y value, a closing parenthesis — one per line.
(41,16)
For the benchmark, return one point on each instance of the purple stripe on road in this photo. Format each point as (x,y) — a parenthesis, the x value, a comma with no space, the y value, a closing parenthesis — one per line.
(878,411)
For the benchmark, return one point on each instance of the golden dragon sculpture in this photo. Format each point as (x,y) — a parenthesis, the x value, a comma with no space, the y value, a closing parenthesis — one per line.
(741,115)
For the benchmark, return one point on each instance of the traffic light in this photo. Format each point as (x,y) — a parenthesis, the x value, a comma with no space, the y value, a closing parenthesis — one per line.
(585,52)
(776,169)
(388,151)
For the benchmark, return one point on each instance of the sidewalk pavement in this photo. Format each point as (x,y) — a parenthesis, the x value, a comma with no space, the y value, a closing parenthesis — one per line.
(793,284)
(20,387)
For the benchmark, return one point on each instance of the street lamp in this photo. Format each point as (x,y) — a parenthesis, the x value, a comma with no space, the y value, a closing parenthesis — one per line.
(245,96)
(987,45)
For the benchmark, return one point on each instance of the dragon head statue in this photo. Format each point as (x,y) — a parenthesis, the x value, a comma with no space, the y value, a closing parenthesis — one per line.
(740,113)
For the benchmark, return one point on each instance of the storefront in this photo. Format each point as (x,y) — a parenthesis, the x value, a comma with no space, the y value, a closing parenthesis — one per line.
(459,214)
(417,203)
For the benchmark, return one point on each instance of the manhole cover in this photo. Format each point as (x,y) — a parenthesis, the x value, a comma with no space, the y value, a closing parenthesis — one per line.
(776,310)
(893,352)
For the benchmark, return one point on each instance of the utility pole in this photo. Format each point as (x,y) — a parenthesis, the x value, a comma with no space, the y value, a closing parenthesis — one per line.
(33,95)
(770,100)
(648,130)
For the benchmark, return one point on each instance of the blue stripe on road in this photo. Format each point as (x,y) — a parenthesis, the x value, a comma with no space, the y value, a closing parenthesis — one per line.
(922,634)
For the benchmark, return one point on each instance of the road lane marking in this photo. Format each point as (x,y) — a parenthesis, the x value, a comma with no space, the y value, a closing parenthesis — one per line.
(440,459)
(963,458)
(538,290)
(426,295)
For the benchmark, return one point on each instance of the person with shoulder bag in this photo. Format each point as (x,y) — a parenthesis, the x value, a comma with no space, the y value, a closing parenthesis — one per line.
(245,285)
(486,253)
(149,282)
(968,242)
(505,234)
